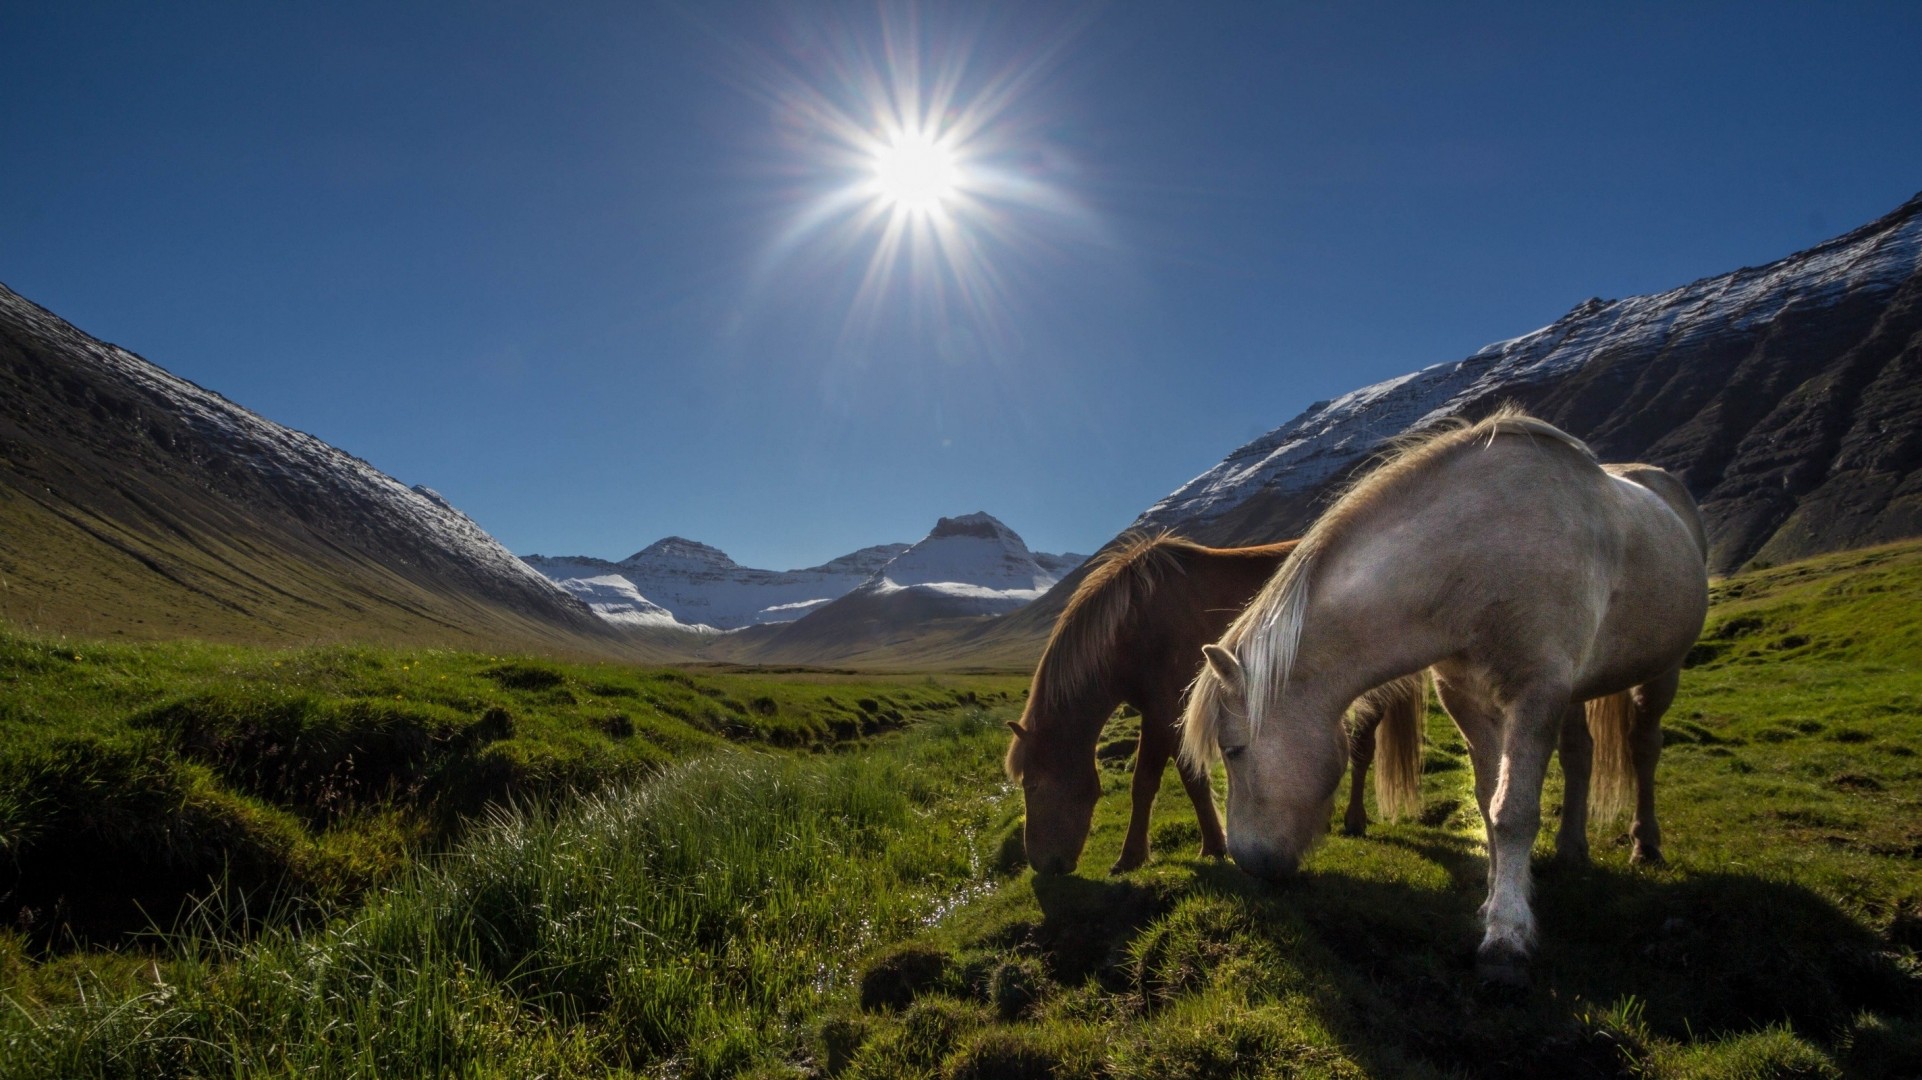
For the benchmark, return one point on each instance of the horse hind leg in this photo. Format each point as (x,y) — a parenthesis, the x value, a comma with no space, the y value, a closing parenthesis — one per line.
(1652,700)
(1577,753)
(1361,755)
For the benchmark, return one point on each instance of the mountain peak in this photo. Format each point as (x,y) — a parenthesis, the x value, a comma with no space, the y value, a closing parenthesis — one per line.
(681,549)
(978,524)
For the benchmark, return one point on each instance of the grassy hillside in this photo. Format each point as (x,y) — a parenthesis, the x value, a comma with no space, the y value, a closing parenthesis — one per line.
(864,913)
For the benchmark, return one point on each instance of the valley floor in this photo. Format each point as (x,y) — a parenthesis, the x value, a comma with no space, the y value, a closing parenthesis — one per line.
(800,879)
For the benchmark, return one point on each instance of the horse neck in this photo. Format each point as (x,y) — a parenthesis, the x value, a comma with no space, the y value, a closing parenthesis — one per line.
(1067,715)
(1368,625)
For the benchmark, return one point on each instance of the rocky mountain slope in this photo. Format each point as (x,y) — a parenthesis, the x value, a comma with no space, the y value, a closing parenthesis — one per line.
(135,502)
(1788,397)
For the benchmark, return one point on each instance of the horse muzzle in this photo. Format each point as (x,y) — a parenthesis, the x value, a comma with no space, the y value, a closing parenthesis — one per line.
(1264,864)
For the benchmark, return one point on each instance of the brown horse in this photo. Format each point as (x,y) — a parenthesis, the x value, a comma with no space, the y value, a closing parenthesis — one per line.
(1133,633)
(1532,579)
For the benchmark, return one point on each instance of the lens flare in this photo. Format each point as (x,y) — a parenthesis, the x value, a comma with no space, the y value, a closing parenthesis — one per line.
(916,173)
(920,175)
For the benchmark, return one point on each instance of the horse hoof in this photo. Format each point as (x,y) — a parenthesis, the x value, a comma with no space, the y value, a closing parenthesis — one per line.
(1126,863)
(1502,968)
(1648,857)
(1575,858)
(1354,830)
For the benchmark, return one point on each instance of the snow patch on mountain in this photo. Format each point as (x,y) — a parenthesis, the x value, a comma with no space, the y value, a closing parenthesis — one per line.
(615,599)
(974,561)
(1330,436)
(701,588)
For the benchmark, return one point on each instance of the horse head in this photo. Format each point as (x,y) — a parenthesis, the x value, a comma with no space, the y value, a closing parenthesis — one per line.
(1060,786)
(1283,768)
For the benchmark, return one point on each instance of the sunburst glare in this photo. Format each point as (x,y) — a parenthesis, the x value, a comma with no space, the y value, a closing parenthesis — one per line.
(922,168)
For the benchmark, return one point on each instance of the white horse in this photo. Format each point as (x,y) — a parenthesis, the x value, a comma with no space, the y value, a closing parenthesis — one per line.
(1529,579)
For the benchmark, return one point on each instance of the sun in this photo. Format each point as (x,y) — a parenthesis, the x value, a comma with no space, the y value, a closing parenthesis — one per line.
(915,173)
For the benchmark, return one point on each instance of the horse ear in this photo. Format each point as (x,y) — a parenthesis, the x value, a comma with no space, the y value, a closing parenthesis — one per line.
(1225,666)
(1019,731)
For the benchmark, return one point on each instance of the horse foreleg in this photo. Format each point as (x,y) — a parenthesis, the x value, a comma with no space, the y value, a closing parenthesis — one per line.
(1652,700)
(1214,841)
(1361,755)
(1151,758)
(1480,725)
(1528,736)
(1578,756)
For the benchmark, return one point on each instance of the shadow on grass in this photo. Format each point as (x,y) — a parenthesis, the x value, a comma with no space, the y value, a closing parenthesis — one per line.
(1626,955)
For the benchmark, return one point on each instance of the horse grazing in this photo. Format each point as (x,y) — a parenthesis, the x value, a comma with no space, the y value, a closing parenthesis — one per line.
(1529,579)
(1133,632)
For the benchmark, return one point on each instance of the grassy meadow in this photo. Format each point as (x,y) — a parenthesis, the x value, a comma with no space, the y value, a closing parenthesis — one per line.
(456,864)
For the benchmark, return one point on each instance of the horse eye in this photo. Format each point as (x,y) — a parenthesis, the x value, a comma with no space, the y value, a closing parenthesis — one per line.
(1230,753)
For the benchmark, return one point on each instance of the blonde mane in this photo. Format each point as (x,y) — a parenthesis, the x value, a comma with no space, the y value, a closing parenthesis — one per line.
(1267,634)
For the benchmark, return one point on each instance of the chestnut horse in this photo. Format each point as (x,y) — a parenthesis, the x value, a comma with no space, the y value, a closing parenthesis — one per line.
(1531,578)
(1133,633)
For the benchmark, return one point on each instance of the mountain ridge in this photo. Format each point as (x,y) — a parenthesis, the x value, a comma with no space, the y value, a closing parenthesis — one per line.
(134,501)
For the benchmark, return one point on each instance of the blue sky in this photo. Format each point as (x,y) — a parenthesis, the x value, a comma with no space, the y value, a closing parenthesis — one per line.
(562,268)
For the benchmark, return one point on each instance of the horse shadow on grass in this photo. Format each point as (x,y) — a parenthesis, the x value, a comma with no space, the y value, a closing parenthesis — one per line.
(1625,955)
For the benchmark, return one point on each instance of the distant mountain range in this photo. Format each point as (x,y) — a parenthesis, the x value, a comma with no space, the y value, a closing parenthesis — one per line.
(966,567)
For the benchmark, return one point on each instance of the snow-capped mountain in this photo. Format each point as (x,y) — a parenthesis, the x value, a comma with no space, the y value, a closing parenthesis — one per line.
(973,562)
(1786,395)
(137,499)
(701,589)
(680,582)
(966,569)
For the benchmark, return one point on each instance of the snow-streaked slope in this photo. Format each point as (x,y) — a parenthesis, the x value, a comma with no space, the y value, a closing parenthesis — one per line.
(701,588)
(1331,436)
(615,599)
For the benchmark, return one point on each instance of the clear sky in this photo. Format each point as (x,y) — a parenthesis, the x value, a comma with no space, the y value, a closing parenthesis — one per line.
(636,269)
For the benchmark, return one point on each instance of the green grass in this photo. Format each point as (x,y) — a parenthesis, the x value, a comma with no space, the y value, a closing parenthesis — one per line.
(697,920)
(863,913)
(137,780)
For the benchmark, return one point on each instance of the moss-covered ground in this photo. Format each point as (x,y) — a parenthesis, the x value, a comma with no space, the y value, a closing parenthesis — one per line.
(737,896)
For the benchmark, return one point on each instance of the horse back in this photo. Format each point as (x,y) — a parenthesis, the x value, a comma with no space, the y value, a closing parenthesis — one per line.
(1671,490)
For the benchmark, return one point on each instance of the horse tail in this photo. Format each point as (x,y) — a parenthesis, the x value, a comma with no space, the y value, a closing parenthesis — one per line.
(1611,785)
(1398,745)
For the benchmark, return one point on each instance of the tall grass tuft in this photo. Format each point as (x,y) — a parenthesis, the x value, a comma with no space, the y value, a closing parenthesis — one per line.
(695,921)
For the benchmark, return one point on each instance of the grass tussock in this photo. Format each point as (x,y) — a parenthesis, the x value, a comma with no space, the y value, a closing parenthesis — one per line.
(693,921)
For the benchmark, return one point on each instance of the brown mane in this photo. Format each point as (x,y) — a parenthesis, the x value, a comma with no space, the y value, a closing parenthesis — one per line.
(1083,641)
(1081,647)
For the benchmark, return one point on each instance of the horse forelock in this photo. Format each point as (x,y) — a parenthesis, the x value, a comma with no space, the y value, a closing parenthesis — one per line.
(1081,647)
